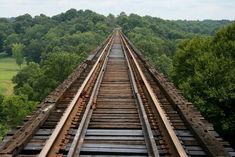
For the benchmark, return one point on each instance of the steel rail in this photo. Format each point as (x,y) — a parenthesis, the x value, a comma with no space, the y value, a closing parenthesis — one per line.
(151,144)
(17,141)
(146,104)
(179,148)
(77,141)
(65,116)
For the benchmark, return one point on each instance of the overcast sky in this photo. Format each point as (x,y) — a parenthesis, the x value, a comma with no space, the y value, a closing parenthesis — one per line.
(167,9)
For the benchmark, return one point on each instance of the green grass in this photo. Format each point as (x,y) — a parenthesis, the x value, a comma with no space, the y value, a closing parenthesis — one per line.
(8,68)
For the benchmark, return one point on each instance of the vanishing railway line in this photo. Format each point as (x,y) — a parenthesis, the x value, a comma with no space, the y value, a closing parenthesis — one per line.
(115,104)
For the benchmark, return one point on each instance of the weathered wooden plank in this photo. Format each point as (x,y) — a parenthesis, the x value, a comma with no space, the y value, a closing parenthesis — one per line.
(111,132)
(115,150)
(197,153)
(118,146)
(128,138)
(112,156)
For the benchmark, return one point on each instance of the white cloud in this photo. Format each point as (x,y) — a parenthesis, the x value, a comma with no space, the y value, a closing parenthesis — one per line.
(167,9)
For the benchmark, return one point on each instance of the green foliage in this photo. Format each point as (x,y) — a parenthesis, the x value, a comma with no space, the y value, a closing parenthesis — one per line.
(8,68)
(34,50)
(16,108)
(202,27)
(3,128)
(37,81)
(13,110)
(26,79)
(204,69)
(1,99)
(54,46)
(22,22)
(3,131)
(6,29)
(18,53)
(164,64)
(27,74)
(1,109)
(157,38)
(59,65)
(10,40)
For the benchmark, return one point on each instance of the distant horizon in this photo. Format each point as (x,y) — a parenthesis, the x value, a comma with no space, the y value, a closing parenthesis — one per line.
(164,9)
(118,15)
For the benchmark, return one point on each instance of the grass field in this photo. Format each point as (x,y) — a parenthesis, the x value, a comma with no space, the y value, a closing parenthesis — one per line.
(8,68)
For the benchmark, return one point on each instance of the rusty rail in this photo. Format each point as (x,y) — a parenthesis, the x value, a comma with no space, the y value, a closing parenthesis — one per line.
(202,130)
(179,150)
(120,105)
(62,122)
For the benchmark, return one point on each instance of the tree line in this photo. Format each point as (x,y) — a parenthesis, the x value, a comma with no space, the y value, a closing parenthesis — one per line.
(198,56)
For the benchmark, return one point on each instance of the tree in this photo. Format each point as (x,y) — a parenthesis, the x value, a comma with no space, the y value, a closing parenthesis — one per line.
(58,44)
(5,30)
(16,108)
(36,32)
(164,64)
(59,65)
(3,131)
(3,128)
(111,20)
(1,108)
(204,69)
(8,43)
(27,75)
(34,50)
(36,82)
(33,83)
(70,14)
(18,53)
(22,22)
(1,42)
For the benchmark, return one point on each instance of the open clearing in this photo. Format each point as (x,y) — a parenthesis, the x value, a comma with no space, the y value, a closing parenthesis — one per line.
(8,68)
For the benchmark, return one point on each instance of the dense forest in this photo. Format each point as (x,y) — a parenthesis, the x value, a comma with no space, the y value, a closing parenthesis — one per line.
(198,56)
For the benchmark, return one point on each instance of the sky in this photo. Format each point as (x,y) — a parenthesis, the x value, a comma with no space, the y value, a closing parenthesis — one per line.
(166,9)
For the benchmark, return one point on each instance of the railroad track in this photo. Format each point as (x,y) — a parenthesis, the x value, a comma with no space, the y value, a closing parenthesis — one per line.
(115,104)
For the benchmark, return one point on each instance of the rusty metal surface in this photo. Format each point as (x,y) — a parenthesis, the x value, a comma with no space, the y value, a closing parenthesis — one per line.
(15,140)
(70,113)
(189,124)
(114,127)
(125,108)
(177,149)
(150,139)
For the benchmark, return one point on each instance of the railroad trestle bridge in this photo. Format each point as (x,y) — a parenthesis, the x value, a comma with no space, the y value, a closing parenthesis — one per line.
(115,104)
